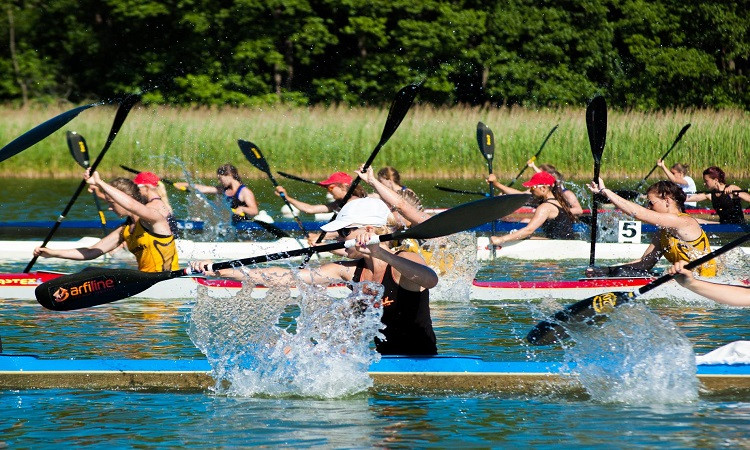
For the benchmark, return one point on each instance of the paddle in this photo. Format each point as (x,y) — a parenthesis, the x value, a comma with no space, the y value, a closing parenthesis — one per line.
(255,157)
(163,180)
(596,125)
(97,286)
(533,158)
(399,108)
(80,152)
(547,332)
(486,143)
(677,139)
(459,191)
(295,177)
(122,113)
(40,132)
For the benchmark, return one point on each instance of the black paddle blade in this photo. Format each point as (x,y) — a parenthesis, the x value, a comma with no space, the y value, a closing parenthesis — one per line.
(464,217)
(95,286)
(78,148)
(589,311)
(254,156)
(122,113)
(596,125)
(40,132)
(486,142)
(400,106)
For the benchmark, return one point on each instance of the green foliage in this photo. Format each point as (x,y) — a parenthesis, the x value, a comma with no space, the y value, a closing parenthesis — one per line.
(642,54)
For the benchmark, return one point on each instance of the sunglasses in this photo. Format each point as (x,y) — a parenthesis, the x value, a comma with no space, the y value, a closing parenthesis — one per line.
(344,232)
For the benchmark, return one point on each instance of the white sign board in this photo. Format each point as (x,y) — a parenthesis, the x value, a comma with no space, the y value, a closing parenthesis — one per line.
(629,231)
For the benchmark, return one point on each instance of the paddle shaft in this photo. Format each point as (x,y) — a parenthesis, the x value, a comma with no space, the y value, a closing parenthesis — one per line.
(533,158)
(296,178)
(122,113)
(677,139)
(459,191)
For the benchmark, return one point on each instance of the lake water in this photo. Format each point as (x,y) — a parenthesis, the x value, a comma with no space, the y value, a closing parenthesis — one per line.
(643,413)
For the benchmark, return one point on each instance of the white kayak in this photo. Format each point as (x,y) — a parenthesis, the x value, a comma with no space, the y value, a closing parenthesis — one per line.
(529,250)
(22,285)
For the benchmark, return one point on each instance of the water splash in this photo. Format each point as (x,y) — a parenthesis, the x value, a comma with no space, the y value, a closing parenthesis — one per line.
(454,259)
(325,353)
(635,357)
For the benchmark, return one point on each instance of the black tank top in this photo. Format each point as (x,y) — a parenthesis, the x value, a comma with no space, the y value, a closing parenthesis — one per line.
(406,315)
(728,208)
(235,202)
(561,227)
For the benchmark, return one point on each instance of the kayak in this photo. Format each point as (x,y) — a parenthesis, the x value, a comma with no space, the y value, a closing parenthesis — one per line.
(21,286)
(529,249)
(454,373)
(75,228)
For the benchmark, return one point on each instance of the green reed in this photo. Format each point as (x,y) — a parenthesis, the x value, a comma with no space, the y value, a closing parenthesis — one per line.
(431,142)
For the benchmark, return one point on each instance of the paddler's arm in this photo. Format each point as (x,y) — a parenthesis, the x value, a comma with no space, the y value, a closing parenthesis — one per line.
(537,220)
(409,269)
(105,245)
(492,179)
(305,207)
(395,201)
(275,276)
(721,293)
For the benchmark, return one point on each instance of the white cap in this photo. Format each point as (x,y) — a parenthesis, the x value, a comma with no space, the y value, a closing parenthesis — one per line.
(361,211)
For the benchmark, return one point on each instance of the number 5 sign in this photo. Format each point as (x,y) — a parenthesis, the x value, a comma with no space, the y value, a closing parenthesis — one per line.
(629,231)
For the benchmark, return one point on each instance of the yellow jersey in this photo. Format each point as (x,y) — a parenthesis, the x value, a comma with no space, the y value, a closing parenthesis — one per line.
(154,252)
(675,249)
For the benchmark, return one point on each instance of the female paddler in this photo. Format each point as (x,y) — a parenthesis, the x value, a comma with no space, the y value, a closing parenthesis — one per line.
(552,215)
(404,276)
(240,198)
(726,198)
(145,231)
(680,237)
(153,191)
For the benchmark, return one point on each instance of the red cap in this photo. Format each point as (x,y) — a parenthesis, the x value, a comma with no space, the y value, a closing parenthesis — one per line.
(540,179)
(146,178)
(337,178)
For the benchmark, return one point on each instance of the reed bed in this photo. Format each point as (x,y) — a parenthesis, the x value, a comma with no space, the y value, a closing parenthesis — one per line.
(431,142)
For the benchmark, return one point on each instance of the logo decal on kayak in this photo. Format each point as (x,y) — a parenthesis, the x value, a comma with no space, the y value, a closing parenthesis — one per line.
(604,303)
(83,290)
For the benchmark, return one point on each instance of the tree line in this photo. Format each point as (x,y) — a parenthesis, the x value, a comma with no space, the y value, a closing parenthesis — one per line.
(640,54)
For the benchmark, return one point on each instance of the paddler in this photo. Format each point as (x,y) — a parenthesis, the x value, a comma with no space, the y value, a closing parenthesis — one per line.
(552,215)
(726,198)
(145,231)
(239,197)
(680,237)
(404,276)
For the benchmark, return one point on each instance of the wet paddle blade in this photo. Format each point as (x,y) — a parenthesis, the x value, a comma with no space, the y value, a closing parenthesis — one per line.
(464,217)
(400,106)
(254,156)
(596,125)
(40,132)
(78,148)
(486,142)
(95,286)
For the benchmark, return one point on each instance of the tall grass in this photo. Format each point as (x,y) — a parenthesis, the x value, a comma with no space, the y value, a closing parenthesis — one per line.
(431,142)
